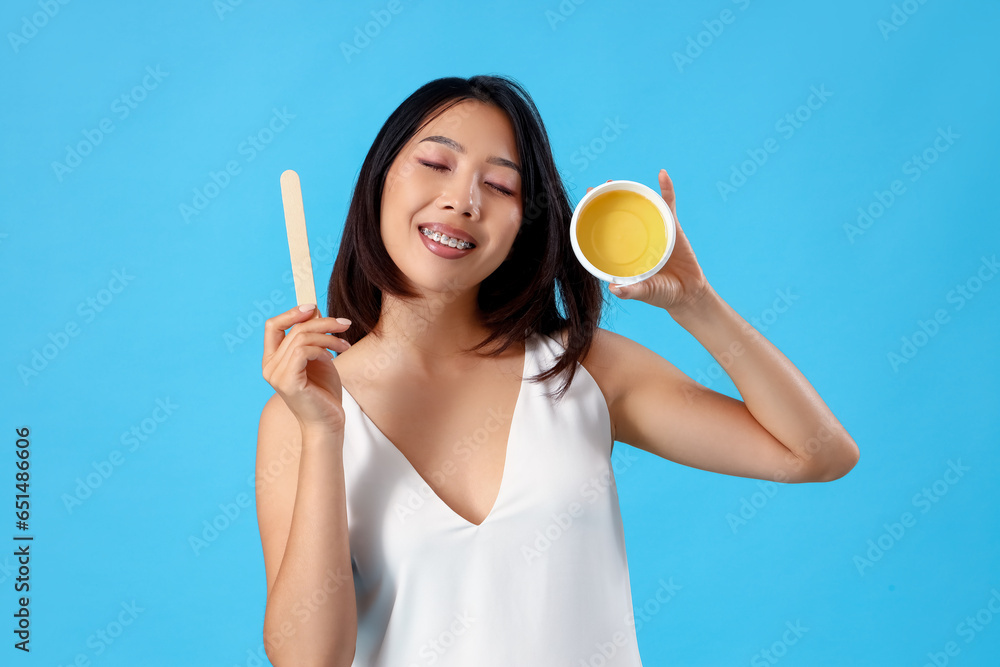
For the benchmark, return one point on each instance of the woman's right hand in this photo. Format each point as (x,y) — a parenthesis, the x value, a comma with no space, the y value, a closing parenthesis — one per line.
(300,367)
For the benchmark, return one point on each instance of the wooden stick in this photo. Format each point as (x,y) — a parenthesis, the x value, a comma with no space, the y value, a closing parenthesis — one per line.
(298,241)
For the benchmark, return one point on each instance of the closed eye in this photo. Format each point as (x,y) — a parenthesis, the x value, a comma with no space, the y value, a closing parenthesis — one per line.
(435,167)
(438,167)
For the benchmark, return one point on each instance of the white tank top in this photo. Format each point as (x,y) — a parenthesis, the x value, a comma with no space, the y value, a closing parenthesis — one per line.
(543,580)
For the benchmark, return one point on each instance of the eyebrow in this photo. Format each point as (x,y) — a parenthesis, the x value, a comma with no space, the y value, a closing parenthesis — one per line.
(493,159)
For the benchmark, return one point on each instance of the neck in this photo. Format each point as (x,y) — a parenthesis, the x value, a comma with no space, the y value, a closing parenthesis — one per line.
(434,332)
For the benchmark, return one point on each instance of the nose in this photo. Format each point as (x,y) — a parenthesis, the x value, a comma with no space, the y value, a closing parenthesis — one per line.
(461,194)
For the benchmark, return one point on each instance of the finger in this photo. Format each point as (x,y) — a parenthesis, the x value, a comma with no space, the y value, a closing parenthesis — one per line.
(319,326)
(322,324)
(667,191)
(624,291)
(322,339)
(306,353)
(289,376)
(274,327)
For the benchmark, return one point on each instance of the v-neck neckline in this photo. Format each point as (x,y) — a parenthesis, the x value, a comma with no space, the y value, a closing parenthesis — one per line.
(528,343)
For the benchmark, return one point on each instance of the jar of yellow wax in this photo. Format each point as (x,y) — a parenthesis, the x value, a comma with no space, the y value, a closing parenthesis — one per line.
(622,232)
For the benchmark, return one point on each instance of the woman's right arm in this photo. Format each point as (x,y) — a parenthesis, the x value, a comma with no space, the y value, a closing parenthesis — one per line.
(311,613)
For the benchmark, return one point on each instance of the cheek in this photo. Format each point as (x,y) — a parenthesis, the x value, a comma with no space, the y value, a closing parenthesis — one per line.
(389,212)
(395,197)
(406,190)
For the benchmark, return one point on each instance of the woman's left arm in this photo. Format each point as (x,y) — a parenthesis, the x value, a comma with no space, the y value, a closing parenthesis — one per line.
(784,405)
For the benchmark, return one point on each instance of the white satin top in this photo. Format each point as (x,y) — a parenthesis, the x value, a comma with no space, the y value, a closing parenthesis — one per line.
(543,580)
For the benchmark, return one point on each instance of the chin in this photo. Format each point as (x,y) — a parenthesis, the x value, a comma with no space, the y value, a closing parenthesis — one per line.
(448,283)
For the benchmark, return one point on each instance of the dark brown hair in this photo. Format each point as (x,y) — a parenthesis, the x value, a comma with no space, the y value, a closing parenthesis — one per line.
(524,294)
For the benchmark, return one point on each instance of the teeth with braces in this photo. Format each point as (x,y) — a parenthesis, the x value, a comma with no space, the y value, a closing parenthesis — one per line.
(446,240)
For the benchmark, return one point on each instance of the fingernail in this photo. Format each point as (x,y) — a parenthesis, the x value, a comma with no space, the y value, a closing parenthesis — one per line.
(306,307)
(343,320)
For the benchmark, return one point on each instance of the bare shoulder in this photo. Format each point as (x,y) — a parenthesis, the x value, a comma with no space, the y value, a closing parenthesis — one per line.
(601,354)
(607,352)
(611,360)
(276,423)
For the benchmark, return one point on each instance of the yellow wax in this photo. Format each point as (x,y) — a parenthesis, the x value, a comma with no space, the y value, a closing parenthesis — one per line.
(621,233)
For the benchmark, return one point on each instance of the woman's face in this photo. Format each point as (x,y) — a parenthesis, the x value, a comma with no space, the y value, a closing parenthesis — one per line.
(458,174)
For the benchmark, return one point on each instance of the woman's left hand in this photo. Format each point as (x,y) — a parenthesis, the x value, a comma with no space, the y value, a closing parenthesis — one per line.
(680,283)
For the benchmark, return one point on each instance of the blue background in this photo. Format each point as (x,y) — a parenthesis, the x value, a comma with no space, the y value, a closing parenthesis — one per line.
(171,330)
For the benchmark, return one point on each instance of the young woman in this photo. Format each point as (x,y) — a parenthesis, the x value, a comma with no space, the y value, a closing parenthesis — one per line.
(441,491)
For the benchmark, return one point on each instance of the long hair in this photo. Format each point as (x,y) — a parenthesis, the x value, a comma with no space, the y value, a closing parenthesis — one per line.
(520,297)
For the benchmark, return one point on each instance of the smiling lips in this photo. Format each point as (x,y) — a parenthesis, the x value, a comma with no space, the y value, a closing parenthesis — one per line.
(445,234)
(448,231)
